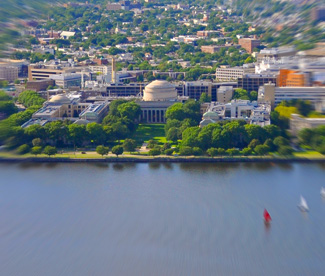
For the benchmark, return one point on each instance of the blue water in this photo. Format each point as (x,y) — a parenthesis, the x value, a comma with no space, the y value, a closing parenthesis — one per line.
(161,219)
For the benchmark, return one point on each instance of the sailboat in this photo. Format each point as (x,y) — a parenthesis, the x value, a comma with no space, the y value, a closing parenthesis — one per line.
(267,217)
(322,192)
(303,205)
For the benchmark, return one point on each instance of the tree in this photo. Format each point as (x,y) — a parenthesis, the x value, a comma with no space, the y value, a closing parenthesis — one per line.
(102,150)
(285,150)
(246,151)
(269,143)
(96,133)
(212,152)
(232,152)
(256,132)
(117,150)
(175,112)
(254,143)
(281,141)
(77,133)
(240,93)
(23,149)
(272,131)
(169,151)
(8,108)
(152,143)
(130,110)
(49,150)
(129,145)
(155,151)
(36,150)
(204,98)
(261,149)
(35,131)
(37,142)
(172,134)
(221,151)
(305,135)
(185,150)
(197,151)
(253,95)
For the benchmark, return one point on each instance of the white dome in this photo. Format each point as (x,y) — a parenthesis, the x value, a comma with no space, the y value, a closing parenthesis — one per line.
(159,90)
(60,99)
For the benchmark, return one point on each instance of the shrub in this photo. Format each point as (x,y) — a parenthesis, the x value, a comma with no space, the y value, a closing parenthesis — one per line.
(152,144)
(169,151)
(197,151)
(186,151)
(48,150)
(285,150)
(102,150)
(254,143)
(232,152)
(129,145)
(117,150)
(212,152)
(221,151)
(281,141)
(262,149)
(155,151)
(36,150)
(270,144)
(247,151)
(37,142)
(23,149)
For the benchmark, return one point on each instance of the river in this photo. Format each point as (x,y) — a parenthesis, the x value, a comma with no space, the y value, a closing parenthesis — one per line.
(161,219)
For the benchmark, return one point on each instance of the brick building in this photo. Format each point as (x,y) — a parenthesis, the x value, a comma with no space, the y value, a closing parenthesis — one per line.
(249,44)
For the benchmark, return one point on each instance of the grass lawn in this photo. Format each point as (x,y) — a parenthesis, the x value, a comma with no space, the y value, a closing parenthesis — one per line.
(309,154)
(146,132)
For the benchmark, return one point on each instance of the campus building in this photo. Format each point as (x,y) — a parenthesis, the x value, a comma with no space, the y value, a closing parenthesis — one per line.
(157,97)
(8,73)
(252,112)
(227,73)
(298,123)
(252,82)
(292,78)
(275,95)
(249,44)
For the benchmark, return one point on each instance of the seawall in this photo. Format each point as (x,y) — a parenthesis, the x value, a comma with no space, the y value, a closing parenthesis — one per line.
(161,160)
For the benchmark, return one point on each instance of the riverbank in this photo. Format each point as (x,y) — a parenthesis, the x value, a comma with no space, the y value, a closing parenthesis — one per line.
(142,159)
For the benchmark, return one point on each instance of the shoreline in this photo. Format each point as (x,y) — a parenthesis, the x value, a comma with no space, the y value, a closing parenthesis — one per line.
(163,160)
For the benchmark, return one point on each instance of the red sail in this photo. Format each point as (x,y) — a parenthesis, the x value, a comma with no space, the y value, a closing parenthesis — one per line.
(267,216)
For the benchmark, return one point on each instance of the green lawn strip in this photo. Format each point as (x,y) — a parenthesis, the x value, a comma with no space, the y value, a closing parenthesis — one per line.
(309,154)
(146,132)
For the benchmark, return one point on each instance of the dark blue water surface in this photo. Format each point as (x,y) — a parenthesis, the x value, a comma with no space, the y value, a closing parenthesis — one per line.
(161,219)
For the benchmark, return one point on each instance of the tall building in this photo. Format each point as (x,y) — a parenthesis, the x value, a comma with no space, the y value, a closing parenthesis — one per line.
(292,78)
(249,44)
(252,82)
(8,73)
(318,13)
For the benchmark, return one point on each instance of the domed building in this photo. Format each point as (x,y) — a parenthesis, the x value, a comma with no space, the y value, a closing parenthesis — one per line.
(59,99)
(160,90)
(70,106)
(157,97)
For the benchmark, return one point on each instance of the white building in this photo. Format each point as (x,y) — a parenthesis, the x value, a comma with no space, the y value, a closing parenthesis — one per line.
(226,73)
(251,112)
(275,95)
(298,123)
(67,80)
